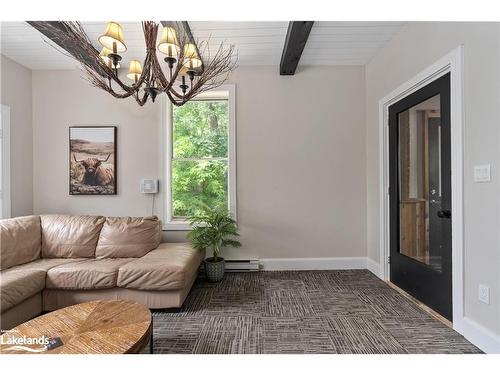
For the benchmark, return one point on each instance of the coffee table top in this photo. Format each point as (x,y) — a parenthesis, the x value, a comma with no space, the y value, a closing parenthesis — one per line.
(97,327)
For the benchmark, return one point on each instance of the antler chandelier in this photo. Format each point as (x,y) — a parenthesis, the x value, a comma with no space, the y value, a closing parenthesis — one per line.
(186,73)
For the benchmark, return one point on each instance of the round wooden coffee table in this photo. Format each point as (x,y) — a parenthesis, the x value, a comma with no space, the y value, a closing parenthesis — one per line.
(97,327)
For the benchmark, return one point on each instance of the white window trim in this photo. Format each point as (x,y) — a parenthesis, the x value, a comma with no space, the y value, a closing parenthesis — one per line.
(5,139)
(166,158)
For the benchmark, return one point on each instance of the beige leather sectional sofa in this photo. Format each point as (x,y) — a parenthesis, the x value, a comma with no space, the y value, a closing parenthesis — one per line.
(52,261)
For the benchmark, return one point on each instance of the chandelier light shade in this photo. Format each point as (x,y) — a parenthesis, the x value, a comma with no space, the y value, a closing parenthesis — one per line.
(191,58)
(113,38)
(134,70)
(185,70)
(104,55)
(168,43)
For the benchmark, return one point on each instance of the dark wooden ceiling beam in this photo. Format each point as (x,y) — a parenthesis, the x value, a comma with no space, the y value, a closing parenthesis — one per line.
(65,43)
(296,39)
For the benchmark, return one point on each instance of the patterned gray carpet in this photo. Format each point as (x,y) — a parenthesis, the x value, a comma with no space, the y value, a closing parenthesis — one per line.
(301,312)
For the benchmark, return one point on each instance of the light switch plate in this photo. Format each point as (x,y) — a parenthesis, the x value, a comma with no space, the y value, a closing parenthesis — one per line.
(482,173)
(484,294)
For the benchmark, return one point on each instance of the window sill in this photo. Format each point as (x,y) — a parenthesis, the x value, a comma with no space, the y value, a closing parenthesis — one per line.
(176,225)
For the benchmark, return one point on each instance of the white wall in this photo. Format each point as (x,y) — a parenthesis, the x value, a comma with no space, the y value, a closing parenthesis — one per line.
(414,48)
(16,93)
(300,157)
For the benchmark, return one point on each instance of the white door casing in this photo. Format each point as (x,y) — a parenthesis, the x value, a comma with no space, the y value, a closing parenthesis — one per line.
(451,63)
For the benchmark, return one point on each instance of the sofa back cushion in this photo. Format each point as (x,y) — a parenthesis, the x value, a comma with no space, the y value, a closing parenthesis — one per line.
(128,237)
(20,240)
(70,236)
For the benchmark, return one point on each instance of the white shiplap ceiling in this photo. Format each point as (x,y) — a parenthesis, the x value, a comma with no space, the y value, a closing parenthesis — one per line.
(257,43)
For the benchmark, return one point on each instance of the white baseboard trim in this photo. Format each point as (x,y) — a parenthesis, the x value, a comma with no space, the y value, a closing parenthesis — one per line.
(373,267)
(306,264)
(480,336)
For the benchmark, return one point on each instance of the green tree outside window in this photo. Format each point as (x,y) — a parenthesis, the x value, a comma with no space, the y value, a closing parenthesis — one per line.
(200,157)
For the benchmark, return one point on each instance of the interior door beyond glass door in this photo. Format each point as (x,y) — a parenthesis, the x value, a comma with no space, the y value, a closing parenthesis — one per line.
(420,195)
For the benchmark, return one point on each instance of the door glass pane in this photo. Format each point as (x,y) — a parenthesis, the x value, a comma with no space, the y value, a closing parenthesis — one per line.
(420,234)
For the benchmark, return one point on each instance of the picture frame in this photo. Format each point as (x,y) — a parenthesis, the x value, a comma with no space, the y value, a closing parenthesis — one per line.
(92,160)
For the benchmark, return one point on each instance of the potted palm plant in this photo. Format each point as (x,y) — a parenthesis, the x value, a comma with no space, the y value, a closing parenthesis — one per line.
(214,229)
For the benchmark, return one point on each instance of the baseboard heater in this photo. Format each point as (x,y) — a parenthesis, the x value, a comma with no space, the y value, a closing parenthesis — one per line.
(241,265)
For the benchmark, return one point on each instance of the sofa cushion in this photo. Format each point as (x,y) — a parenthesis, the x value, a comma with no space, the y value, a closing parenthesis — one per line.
(85,274)
(45,264)
(169,267)
(18,284)
(21,240)
(23,281)
(68,236)
(128,237)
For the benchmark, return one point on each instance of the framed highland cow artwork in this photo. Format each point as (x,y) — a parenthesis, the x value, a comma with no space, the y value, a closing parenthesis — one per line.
(92,160)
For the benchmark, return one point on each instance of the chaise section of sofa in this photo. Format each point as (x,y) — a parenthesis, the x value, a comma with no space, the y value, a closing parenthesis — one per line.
(160,279)
(171,266)
(53,261)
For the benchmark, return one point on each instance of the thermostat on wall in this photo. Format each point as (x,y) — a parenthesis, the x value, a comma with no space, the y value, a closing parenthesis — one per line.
(149,186)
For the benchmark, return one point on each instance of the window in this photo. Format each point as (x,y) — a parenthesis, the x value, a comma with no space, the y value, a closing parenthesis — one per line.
(200,157)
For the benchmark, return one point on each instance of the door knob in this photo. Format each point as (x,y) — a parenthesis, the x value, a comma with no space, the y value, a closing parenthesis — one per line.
(444,214)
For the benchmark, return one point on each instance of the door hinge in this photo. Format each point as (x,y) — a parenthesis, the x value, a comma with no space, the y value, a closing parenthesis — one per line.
(389,259)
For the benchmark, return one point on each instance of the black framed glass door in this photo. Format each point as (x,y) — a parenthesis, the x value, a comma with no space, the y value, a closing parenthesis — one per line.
(420,195)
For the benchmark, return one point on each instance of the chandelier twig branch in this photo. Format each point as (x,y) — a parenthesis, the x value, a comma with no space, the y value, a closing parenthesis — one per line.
(184,66)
